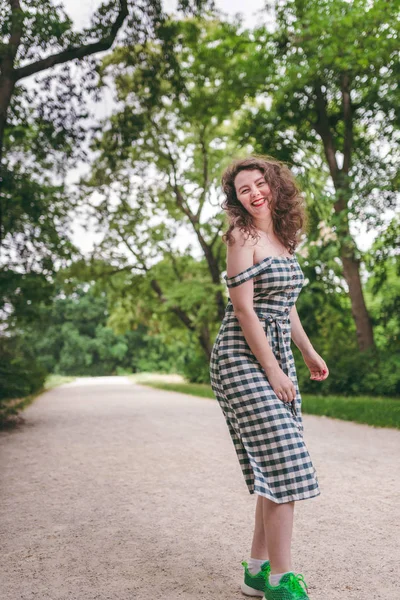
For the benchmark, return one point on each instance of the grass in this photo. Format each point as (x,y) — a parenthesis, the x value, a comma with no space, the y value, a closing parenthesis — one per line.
(10,409)
(366,410)
(53,381)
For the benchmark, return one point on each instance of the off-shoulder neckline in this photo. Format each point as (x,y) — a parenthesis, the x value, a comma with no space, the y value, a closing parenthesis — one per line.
(268,257)
(261,262)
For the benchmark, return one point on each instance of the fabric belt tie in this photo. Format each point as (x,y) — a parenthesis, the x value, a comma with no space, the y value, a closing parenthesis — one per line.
(278,319)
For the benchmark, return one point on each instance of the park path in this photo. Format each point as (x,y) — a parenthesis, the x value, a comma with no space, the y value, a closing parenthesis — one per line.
(111,490)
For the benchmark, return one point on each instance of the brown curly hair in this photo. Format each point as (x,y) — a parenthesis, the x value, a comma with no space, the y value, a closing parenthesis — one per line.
(287,206)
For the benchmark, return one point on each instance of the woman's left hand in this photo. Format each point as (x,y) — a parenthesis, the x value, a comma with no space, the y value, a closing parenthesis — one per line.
(318,369)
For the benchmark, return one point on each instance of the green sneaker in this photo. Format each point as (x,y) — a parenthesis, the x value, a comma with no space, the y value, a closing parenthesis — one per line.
(288,588)
(254,585)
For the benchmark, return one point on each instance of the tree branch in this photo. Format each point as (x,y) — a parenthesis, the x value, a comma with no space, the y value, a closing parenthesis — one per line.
(205,172)
(7,60)
(216,235)
(175,309)
(348,123)
(72,53)
(323,129)
(135,254)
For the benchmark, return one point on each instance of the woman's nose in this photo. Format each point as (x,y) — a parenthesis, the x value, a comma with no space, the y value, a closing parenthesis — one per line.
(254,191)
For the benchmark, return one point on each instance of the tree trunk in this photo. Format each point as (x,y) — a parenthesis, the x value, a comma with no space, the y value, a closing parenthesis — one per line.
(351,266)
(351,270)
(205,342)
(6,90)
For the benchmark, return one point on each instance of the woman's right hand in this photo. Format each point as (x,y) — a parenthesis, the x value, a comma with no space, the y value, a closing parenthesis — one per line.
(281,384)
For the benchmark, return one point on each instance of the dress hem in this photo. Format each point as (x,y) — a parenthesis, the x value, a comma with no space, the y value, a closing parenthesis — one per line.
(294,497)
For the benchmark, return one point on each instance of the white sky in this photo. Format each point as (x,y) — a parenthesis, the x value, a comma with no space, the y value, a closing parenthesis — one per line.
(80,12)
(253,13)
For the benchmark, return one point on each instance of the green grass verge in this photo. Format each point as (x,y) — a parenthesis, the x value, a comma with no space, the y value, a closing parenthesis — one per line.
(367,410)
(193,389)
(53,381)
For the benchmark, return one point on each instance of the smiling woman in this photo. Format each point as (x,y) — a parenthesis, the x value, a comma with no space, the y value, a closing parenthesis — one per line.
(262,194)
(252,369)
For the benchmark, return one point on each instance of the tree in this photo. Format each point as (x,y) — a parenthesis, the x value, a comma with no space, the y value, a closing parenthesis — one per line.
(331,79)
(73,336)
(158,166)
(39,26)
(42,133)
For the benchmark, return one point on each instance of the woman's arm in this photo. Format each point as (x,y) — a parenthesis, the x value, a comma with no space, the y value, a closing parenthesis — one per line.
(240,257)
(299,336)
(318,369)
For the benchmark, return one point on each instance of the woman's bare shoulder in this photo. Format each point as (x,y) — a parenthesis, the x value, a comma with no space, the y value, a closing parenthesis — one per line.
(240,254)
(241,237)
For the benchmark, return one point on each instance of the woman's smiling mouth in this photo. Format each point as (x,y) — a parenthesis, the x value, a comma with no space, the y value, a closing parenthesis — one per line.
(258,202)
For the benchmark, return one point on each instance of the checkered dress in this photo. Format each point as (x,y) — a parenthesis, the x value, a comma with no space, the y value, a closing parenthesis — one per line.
(266,432)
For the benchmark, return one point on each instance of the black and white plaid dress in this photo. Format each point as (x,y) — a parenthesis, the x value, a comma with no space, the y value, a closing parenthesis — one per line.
(266,432)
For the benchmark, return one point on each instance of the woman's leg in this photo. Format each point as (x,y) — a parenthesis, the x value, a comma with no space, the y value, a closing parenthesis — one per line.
(278,525)
(259,546)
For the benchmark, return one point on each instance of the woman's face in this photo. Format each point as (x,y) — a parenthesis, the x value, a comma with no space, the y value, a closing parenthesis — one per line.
(253,192)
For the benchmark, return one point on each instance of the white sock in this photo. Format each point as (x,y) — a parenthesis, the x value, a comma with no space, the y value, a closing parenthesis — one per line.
(274,579)
(255,564)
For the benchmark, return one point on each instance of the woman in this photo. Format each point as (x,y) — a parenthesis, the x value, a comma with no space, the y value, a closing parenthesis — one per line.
(252,369)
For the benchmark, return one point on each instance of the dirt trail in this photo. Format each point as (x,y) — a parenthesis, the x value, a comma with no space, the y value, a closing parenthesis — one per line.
(111,490)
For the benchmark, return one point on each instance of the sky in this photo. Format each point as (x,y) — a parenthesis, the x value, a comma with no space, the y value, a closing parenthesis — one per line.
(253,13)
(80,12)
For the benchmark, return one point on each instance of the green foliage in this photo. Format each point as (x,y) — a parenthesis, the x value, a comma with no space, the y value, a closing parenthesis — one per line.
(72,337)
(155,355)
(383,287)
(319,56)
(325,313)
(174,125)
(45,130)
(49,122)
(353,373)
(53,381)
(21,374)
(194,367)
(36,230)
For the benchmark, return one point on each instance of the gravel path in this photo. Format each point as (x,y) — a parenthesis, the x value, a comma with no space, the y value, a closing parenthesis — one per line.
(111,490)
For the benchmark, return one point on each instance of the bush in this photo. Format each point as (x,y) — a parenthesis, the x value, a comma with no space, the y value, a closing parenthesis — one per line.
(194,366)
(354,373)
(20,375)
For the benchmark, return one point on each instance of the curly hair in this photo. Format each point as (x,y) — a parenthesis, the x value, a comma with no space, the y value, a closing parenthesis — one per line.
(287,206)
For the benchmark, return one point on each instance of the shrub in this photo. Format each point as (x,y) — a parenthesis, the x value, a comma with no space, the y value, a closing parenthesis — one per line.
(20,375)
